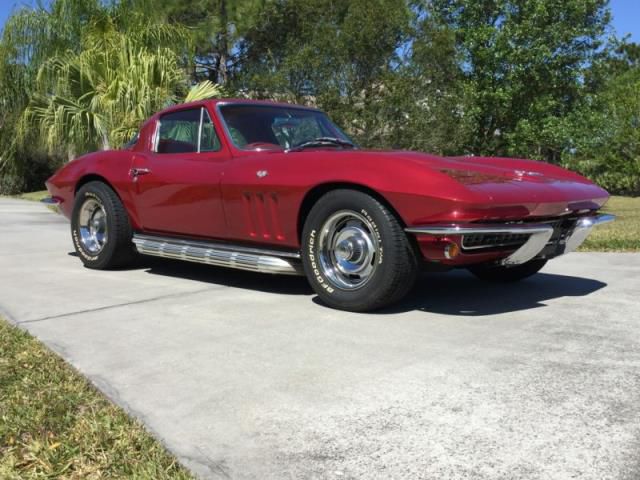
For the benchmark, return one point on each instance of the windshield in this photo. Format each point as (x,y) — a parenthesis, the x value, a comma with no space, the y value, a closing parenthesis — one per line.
(264,127)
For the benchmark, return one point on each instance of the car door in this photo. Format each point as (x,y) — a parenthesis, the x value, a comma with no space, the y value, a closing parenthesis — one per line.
(263,187)
(177,182)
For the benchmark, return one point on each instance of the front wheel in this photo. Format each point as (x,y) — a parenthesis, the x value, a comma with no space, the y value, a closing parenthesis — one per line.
(502,274)
(356,255)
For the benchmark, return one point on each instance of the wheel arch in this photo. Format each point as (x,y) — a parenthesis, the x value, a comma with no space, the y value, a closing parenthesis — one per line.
(315,193)
(92,177)
(95,177)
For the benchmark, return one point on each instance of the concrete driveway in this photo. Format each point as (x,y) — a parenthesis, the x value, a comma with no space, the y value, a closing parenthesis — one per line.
(246,376)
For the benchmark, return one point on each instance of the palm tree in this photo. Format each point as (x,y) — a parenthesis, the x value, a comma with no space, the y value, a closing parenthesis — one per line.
(97,99)
(83,75)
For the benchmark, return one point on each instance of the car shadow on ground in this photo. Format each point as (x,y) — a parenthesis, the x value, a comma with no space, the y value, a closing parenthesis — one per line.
(460,293)
(263,282)
(452,293)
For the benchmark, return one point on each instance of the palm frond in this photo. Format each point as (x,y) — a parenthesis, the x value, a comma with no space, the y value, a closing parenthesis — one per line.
(100,96)
(204,90)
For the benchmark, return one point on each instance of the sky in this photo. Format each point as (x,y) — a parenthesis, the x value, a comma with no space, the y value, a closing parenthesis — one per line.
(626,18)
(626,15)
(6,6)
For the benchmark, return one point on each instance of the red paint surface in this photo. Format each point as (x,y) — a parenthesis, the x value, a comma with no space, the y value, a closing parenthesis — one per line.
(218,195)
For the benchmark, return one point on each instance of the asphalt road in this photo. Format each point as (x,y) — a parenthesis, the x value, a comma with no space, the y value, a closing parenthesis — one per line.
(246,376)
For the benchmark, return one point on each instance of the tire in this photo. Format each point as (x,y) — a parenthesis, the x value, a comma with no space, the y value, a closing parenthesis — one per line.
(501,274)
(356,254)
(100,228)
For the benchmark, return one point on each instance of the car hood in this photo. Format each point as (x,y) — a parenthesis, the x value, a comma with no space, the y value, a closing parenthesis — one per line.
(510,181)
(479,170)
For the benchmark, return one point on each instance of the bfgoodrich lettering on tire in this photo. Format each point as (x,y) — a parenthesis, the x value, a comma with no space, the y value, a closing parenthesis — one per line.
(355,253)
(100,228)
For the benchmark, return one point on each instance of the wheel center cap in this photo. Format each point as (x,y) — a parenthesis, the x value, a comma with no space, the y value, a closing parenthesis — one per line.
(344,250)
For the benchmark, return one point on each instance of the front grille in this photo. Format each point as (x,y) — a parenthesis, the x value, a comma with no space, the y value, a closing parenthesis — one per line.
(482,242)
(492,240)
(562,229)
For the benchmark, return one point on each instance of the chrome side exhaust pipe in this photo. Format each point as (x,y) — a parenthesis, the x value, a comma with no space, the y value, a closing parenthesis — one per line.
(220,254)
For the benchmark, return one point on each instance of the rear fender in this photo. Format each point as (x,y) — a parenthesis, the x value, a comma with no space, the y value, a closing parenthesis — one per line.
(109,167)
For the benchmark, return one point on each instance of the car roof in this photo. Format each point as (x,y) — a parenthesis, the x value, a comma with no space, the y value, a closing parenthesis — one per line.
(233,101)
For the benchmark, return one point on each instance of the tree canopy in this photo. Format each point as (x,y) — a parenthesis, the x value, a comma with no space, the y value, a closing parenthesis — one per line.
(541,79)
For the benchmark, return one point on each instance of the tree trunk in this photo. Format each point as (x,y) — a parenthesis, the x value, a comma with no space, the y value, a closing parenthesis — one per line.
(105,142)
(224,42)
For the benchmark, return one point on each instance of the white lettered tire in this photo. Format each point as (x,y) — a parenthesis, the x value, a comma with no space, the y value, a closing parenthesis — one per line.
(100,228)
(355,252)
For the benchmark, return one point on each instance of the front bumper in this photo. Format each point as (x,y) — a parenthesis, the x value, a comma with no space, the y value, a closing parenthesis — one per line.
(538,235)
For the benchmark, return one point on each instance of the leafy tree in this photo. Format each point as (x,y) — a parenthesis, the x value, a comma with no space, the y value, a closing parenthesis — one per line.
(523,63)
(216,27)
(84,85)
(337,55)
(531,78)
(99,97)
(96,98)
(604,135)
(425,95)
(29,37)
(618,56)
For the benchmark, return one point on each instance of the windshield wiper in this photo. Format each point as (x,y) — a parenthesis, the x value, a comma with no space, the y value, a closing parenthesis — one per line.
(321,142)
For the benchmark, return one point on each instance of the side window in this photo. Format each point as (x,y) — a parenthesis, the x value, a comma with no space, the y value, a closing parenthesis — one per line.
(209,141)
(187,131)
(178,132)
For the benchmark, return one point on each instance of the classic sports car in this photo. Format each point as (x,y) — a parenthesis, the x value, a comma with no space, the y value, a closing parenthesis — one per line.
(279,188)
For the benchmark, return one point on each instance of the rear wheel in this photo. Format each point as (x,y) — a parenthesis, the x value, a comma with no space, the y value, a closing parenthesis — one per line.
(355,253)
(100,228)
(502,274)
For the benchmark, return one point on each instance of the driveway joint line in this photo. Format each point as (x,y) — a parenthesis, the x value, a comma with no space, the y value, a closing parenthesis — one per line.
(117,305)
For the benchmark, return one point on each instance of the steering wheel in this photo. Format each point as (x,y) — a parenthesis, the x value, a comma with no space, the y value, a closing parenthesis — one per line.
(262,146)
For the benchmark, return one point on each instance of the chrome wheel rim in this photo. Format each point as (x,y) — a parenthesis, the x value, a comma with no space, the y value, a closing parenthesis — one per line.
(92,223)
(348,250)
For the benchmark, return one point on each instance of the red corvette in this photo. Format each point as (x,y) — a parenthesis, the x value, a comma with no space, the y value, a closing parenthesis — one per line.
(279,188)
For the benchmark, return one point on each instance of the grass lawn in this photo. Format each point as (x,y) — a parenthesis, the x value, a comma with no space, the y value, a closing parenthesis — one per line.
(54,424)
(621,235)
(38,197)
(35,196)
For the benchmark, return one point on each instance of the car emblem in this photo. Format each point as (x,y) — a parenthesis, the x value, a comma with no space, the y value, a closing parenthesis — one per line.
(522,173)
(262,173)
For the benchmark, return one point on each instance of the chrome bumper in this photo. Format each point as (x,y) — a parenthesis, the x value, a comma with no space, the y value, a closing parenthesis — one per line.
(539,235)
(51,201)
(583,228)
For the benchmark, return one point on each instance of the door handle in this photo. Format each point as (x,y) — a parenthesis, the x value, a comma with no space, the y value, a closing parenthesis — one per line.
(136,172)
